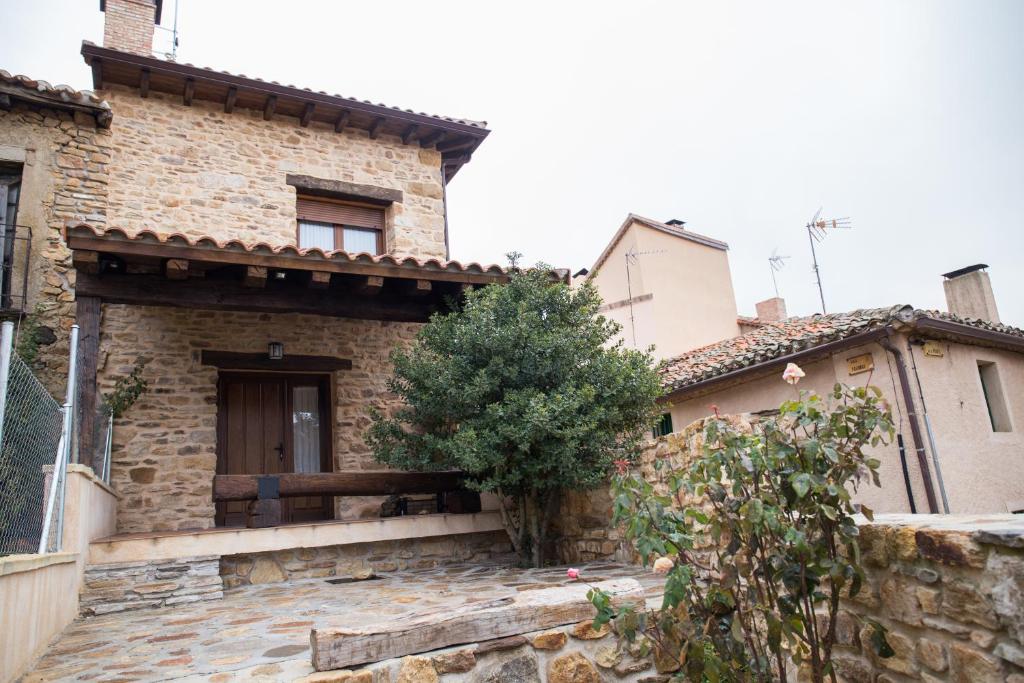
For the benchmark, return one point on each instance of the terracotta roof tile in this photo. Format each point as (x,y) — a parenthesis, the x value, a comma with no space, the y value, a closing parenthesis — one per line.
(59,93)
(774,339)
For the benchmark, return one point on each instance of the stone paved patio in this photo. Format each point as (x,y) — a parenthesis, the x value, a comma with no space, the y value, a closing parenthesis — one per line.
(261,633)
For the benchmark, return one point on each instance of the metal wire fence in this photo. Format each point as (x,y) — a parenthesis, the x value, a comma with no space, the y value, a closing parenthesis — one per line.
(30,440)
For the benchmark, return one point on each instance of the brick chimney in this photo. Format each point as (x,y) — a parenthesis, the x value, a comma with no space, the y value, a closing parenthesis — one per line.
(771,310)
(969,293)
(129,24)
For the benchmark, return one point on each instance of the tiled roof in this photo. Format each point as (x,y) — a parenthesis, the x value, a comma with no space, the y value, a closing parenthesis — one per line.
(777,339)
(58,94)
(115,235)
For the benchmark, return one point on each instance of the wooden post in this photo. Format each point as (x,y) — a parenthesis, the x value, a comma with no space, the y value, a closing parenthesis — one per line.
(87,315)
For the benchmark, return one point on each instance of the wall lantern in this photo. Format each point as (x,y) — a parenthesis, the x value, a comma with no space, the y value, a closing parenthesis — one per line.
(275,350)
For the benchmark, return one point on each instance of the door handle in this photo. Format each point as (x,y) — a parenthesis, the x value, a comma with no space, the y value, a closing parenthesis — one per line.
(280,451)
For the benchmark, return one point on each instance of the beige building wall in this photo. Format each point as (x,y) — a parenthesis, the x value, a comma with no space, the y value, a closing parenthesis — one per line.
(199,171)
(682,292)
(982,471)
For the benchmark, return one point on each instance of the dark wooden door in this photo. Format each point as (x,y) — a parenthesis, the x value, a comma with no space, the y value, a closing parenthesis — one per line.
(269,424)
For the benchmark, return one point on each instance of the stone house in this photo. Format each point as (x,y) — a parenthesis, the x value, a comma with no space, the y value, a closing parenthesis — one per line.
(954,381)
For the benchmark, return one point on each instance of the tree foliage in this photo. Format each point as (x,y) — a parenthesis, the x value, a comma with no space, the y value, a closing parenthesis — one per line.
(757,540)
(522,389)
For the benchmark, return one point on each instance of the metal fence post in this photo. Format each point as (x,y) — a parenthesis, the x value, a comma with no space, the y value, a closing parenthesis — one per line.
(56,498)
(6,344)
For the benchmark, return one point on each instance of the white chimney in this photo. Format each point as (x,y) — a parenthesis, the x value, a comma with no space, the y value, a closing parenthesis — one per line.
(128,25)
(969,293)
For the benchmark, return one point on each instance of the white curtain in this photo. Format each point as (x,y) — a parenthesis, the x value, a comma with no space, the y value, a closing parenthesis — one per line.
(358,240)
(313,234)
(306,429)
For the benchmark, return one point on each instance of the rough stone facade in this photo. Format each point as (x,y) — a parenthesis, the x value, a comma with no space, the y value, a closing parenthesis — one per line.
(361,559)
(164,453)
(139,585)
(65,161)
(198,171)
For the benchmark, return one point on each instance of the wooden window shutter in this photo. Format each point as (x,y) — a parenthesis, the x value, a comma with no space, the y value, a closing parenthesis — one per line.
(340,214)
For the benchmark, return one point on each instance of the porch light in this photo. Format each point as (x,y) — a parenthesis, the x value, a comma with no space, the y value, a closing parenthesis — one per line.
(275,350)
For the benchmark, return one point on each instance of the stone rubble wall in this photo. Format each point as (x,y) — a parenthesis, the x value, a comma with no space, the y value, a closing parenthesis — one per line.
(198,171)
(164,453)
(361,559)
(128,586)
(65,172)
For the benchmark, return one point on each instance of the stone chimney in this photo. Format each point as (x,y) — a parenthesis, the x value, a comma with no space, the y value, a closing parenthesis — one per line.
(969,293)
(771,310)
(129,24)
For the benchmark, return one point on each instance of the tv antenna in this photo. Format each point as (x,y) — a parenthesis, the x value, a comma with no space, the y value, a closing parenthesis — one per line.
(776,263)
(817,229)
(633,257)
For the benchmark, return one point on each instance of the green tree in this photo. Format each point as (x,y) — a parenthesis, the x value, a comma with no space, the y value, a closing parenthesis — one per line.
(524,390)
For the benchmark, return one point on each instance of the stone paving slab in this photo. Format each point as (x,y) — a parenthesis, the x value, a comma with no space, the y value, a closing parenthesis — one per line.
(262,632)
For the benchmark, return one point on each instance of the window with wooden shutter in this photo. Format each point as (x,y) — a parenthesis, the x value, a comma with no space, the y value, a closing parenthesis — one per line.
(333,225)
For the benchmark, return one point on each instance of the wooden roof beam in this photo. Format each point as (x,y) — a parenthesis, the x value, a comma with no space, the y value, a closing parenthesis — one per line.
(371,285)
(456,144)
(176,269)
(418,287)
(342,120)
(86,261)
(376,126)
(255,277)
(189,92)
(229,101)
(307,114)
(432,138)
(409,133)
(144,83)
(269,107)
(97,73)
(319,279)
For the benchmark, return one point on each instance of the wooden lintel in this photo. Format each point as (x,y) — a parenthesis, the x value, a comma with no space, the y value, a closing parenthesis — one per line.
(229,101)
(456,144)
(189,93)
(372,285)
(176,269)
(375,127)
(229,487)
(432,138)
(255,276)
(307,114)
(269,106)
(144,83)
(319,279)
(87,317)
(86,261)
(97,73)
(409,133)
(232,360)
(342,121)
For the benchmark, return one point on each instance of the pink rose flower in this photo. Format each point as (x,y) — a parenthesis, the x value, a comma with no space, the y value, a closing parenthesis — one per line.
(663,565)
(792,373)
(573,573)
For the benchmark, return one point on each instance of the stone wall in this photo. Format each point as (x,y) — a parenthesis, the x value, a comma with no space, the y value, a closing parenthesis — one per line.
(363,559)
(129,586)
(65,168)
(164,452)
(199,171)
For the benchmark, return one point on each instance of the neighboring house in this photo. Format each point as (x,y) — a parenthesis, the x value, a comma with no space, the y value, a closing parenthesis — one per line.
(955,382)
(668,287)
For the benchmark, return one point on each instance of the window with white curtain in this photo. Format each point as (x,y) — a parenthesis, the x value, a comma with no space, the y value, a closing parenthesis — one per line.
(358,240)
(334,225)
(306,429)
(313,234)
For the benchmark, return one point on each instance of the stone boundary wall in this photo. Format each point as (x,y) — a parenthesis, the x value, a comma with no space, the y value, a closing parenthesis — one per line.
(139,585)
(361,559)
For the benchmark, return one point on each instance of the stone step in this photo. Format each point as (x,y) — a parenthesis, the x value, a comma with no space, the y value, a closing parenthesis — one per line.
(124,586)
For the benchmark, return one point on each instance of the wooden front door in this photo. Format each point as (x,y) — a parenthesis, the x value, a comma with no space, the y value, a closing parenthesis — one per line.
(269,424)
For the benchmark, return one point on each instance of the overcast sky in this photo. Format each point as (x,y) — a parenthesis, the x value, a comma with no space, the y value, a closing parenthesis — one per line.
(741,118)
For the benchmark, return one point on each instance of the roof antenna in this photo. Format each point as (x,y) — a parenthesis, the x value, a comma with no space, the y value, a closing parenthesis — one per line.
(173,54)
(776,263)
(816,231)
(633,257)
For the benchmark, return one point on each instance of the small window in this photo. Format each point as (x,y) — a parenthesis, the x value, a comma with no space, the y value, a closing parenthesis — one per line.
(332,226)
(995,401)
(663,427)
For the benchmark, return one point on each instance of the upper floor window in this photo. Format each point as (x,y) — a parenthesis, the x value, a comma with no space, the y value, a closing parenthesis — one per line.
(663,427)
(334,225)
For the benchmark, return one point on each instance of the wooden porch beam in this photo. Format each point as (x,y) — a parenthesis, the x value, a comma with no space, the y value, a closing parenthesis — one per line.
(232,360)
(342,121)
(144,83)
(418,287)
(228,487)
(189,93)
(255,276)
(307,114)
(87,317)
(229,101)
(375,127)
(409,133)
(372,285)
(86,261)
(319,280)
(176,269)
(269,107)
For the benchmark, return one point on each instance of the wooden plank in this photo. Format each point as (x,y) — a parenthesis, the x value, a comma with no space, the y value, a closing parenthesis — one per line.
(146,290)
(229,101)
(319,280)
(235,360)
(307,114)
(228,487)
(87,316)
(524,612)
(372,285)
(255,276)
(342,121)
(144,83)
(176,269)
(269,106)
(189,92)
(86,261)
(376,126)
